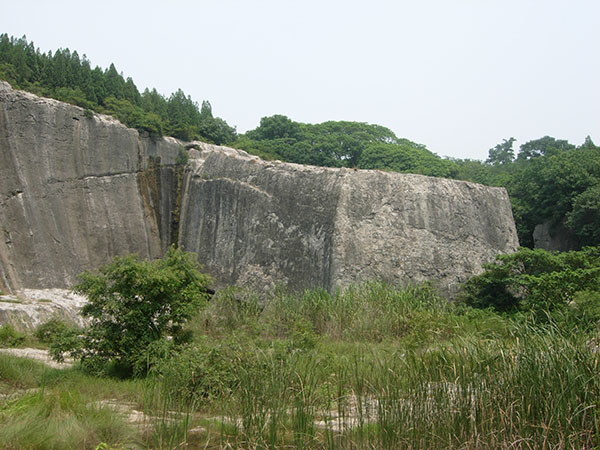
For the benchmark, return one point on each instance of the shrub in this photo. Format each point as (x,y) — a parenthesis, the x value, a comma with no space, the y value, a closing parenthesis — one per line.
(534,280)
(182,156)
(135,306)
(9,337)
(52,330)
(203,371)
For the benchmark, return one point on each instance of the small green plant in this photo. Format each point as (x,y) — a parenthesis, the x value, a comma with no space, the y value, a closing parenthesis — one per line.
(182,156)
(9,337)
(53,329)
(303,336)
(88,113)
(202,371)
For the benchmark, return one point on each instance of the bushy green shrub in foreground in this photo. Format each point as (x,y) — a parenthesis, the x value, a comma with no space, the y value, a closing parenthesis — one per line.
(134,308)
(9,337)
(372,366)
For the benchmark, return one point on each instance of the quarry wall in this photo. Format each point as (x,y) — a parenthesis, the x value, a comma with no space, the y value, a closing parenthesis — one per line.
(76,190)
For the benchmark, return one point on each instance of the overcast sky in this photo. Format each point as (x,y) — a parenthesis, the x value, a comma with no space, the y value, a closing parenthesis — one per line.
(458,76)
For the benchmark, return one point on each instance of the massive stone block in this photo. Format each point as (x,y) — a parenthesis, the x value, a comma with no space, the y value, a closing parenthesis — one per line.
(76,191)
(262,223)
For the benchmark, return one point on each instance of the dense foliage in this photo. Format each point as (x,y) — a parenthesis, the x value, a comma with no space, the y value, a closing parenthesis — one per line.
(539,281)
(66,76)
(549,181)
(340,144)
(137,310)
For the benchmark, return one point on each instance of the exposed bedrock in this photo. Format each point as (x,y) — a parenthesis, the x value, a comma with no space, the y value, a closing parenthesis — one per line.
(76,191)
(262,223)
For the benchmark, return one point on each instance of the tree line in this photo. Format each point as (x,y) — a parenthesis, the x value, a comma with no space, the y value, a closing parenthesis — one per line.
(69,77)
(549,180)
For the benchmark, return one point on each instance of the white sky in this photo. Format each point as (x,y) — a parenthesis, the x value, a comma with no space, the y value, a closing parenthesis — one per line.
(458,76)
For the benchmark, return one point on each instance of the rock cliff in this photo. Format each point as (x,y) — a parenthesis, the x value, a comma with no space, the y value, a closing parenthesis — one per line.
(262,223)
(76,191)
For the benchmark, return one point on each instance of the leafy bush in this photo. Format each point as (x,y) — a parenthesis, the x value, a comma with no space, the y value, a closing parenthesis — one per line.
(583,312)
(203,371)
(134,308)
(182,156)
(534,280)
(53,329)
(9,337)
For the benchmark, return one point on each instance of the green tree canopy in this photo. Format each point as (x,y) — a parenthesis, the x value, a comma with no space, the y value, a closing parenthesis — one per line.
(502,153)
(545,146)
(134,307)
(336,144)
(66,76)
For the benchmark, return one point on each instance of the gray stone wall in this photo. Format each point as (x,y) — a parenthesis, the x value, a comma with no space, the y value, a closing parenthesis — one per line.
(76,191)
(262,223)
(70,192)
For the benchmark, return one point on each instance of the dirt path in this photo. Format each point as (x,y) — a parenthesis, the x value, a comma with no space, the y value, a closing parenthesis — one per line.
(38,355)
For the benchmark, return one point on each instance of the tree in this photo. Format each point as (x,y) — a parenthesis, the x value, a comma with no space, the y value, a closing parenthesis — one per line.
(544,189)
(404,157)
(67,77)
(502,153)
(584,218)
(545,146)
(134,307)
(534,280)
(275,127)
(114,82)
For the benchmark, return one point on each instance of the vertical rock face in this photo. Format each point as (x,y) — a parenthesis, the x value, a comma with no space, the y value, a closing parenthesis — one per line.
(554,237)
(407,228)
(258,223)
(76,191)
(262,223)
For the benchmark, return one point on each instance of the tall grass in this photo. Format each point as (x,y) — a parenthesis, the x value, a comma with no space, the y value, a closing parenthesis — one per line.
(376,367)
(46,408)
(539,393)
(368,367)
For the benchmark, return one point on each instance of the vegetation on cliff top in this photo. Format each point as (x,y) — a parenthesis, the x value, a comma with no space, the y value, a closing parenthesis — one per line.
(548,180)
(66,76)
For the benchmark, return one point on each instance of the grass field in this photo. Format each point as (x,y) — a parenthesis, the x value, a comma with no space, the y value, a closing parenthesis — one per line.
(370,367)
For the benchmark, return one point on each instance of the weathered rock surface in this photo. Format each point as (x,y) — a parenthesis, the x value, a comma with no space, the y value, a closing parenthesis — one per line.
(262,223)
(27,309)
(76,191)
(554,237)
(37,354)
